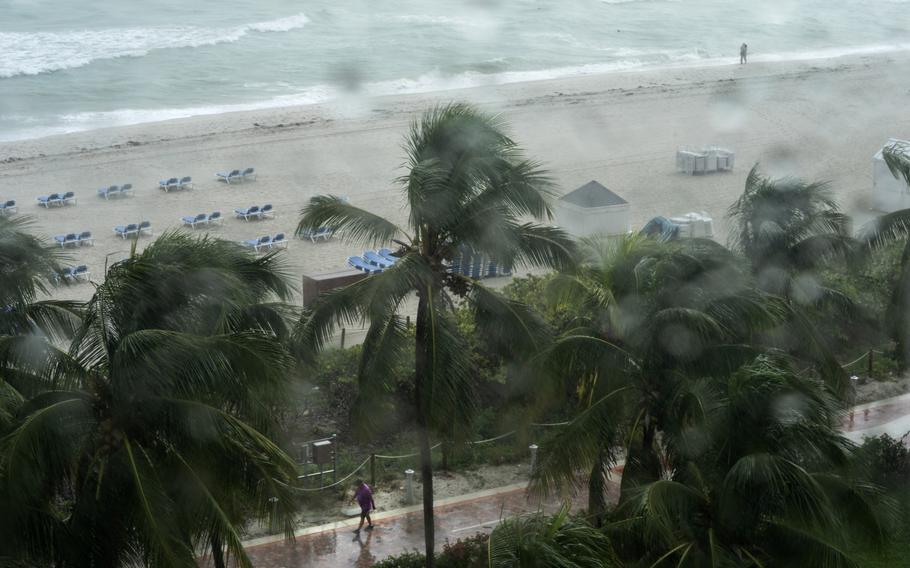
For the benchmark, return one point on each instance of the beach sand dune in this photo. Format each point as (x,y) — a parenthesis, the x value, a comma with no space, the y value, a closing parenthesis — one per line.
(818,120)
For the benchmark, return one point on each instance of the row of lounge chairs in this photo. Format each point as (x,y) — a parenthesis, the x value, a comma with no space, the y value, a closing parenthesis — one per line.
(133,229)
(373,262)
(9,207)
(73,273)
(75,239)
(256,212)
(267,242)
(175,184)
(115,190)
(472,265)
(236,175)
(68,198)
(202,219)
(324,233)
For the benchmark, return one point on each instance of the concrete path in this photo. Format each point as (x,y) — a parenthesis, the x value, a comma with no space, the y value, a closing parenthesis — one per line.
(335,545)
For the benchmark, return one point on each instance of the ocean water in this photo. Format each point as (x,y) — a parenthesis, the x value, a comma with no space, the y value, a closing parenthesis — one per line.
(69,65)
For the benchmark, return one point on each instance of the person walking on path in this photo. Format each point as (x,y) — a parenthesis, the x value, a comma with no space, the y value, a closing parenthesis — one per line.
(364,497)
(743,53)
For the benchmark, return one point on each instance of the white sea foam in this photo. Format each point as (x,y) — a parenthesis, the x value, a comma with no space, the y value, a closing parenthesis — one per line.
(41,52)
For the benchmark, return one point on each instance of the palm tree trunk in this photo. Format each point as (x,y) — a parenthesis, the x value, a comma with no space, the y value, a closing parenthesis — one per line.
(597,504)
(217,551)
(642,463)
(421,405)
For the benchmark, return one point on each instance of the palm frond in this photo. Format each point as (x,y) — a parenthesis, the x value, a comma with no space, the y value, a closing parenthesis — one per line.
(349,222)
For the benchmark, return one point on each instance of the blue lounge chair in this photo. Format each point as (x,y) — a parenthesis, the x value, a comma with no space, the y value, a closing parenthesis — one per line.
(86,238)
(69,198)
(127,230)
(48,200)
(9,207)
(360,264)
(248,174)
(185,182)
(229,177)
(214,217)
(267,211)
(67,239)
(386,253)
(193,220)
(108,192)
(67,273)
(279,241)
(325,233)
(169,184)
(377,260)
(80,271)
(145,227)
(256,244)
(247,213)
(126,188)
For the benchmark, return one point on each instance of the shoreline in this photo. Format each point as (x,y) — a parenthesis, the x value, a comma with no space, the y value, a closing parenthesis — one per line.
(361,108)
(817,119)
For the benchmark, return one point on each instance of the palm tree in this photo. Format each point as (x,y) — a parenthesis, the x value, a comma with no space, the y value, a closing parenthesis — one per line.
(146,441)
(760,478)
(883,232)
(544,541)
(789,230)
(28,272)
(649,314)
(467,187)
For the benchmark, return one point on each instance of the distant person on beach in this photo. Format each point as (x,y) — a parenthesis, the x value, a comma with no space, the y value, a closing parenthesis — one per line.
(743,53)
(364,498)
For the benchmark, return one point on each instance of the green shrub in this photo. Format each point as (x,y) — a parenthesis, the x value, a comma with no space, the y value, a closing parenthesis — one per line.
(468,552)
(887,460)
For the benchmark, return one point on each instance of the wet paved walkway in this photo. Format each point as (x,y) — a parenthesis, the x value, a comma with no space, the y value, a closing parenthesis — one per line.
(335,545)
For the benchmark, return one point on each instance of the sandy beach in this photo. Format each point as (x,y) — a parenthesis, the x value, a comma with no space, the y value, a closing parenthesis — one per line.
(820,119)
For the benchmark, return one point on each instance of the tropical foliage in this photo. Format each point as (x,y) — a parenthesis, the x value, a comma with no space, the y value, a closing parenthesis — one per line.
(467,187)
(145,439)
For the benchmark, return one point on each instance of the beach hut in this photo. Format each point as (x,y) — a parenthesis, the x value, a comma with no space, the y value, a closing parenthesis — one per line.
(592,209)
(888,192)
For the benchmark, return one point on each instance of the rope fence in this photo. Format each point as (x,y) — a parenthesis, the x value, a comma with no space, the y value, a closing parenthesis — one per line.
(372,458)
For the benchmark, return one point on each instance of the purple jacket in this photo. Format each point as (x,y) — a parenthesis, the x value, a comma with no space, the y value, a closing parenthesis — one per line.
(364,496)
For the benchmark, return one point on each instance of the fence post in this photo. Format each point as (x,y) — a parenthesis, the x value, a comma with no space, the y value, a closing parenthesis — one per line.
(273,517)
(407,322)
(533,448)
(342,337)
(409,486)
(372,470)
(871,355)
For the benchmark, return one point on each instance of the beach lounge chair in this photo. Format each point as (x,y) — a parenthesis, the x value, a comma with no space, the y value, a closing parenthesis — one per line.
(377,260)
(360,264)
(229,177)
(386,253)
(325,233)
(185,182)
(127,230)
(108,192)
(193,220)
(86,238)
(256,244)
(48,200)
(279,241)
(67,273)
(248,174)
(80,271)
(169,184)
(267,211)
(214,217)
(145,227)
(126,189)
(9,207)
(69,198)
(67,239)
(248,213)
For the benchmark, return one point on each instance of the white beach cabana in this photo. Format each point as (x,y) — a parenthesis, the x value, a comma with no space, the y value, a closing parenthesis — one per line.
(888,192)
(592,209)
